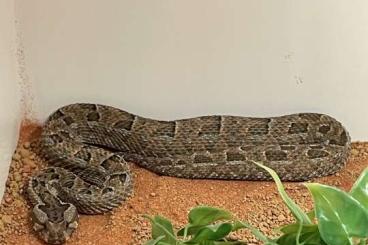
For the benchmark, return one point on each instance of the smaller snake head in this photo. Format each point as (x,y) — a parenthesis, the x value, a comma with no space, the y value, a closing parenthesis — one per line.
(53,226)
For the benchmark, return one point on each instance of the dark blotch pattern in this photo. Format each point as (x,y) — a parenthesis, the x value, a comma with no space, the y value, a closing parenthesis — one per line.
(85,155)
(181,162)
(287,147)
(167,129)
(109,163)
(297,128)
(210,144)
(276,155)
(42,183)
(106,164)
(124,124)
(85,192)
(211,126)
(55,176)
(107,190)
(234,156)
(56,115)
(64,134)
(311,116)
(261,127)
(202,159)
(314,153)
(258,129)
(50,170)
(93,116)
(166,162)
(34,183)
(324,129)
(342,140)
(68,183)
(316,147)
(68,120)
(89,107)
(247,148)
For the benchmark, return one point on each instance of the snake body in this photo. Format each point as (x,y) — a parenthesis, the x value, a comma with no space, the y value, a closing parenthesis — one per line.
(87,146)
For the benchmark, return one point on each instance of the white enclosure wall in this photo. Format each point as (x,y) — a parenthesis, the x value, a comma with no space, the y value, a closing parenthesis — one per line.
(171,59)
(9,96)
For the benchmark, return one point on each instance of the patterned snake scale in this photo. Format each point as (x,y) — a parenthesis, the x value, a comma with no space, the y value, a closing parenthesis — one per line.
(87,146)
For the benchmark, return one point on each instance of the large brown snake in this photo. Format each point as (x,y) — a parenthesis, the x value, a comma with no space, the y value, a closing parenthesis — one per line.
(87,146)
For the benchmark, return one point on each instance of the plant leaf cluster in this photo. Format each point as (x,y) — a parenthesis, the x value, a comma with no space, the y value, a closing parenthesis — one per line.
(338,218)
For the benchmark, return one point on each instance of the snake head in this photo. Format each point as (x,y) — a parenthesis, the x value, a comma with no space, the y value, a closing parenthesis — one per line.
(55,224)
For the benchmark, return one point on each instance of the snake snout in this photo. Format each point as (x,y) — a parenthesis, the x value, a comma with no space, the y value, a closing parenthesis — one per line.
(55,222)
(57,233)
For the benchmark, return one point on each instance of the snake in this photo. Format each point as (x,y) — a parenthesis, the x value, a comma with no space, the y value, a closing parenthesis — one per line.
(88,147)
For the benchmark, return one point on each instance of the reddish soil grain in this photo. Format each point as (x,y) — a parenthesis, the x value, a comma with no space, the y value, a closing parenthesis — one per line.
(256,202)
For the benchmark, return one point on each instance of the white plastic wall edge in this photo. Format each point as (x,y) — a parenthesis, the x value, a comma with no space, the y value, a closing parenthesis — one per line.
(10,114)
(175,59)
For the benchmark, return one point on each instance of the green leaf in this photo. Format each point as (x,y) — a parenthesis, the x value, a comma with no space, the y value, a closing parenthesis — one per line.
(156,241)
(201,216)
(311,214)
(189,230)
(340,217)
(360,189)
(162,227)
(294,208)
(212,233)
(293,228)
(204,215)
(311,238)
(240,225)
(309,235)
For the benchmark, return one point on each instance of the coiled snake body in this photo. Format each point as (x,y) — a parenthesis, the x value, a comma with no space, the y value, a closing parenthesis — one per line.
(86,146)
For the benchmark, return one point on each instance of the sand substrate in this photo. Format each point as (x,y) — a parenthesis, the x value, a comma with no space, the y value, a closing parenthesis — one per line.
(255,202)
